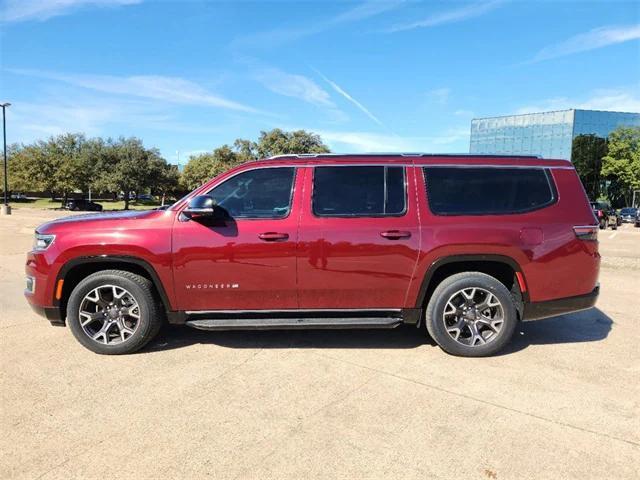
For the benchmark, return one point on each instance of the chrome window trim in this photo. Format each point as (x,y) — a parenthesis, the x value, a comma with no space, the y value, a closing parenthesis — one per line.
(360,215)
(555,195)
(291,195)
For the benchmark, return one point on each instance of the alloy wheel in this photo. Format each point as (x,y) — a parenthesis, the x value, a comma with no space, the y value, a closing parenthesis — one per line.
(473,316)
(109,314)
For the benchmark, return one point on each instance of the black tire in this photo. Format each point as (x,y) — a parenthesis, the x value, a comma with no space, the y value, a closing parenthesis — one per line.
(603,224)
(434,317)
(141,289)
(614,226)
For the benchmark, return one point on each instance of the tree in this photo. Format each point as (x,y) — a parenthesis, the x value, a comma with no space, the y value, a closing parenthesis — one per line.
(586,153)
(72,170)
(126,166)
(278,142)
(203,167)
(22,164)
(621,165)
(166,177)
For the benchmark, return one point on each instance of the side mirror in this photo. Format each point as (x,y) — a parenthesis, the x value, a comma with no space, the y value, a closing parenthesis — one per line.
(203,206)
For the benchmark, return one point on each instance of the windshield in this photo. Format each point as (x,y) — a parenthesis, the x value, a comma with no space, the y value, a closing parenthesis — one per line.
(628,211)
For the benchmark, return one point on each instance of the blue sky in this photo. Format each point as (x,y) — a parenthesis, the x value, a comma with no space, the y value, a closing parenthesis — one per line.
(368,76)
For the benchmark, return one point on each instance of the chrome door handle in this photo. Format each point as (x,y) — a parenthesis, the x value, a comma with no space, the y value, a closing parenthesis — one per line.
(273,236)
(395,234)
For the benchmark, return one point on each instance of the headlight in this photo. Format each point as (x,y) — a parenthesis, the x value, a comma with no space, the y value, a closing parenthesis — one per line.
(42,242)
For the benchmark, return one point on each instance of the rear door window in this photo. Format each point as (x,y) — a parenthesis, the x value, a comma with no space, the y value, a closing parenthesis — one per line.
(488,190)
(359,191)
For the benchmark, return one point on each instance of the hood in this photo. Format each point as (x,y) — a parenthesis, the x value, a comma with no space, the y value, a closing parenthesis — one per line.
(95,219)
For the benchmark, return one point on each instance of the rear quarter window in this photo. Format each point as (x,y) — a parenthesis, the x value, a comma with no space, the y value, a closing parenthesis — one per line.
(488,190)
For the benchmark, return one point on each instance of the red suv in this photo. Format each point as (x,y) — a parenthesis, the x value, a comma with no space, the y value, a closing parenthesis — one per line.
(469,245)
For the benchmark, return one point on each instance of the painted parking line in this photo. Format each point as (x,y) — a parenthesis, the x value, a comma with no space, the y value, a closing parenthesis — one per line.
(613,235)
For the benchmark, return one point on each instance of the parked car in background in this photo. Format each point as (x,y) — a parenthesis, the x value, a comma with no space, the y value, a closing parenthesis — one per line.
(628,215)
(468,245)
(78,204)
(18,196)
(606,216)
(145,197)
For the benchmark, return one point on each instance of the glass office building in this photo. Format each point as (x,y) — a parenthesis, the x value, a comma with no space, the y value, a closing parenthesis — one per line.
(548,134)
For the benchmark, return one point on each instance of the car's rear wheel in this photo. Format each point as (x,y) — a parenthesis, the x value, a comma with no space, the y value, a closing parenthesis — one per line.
(603,224)
(113,312)
(471,314)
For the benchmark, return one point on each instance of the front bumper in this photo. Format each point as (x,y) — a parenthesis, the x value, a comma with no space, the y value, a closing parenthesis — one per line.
(50,313)
(561,306)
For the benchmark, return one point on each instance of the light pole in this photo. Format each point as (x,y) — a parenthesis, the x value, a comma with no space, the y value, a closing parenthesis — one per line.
(6,209)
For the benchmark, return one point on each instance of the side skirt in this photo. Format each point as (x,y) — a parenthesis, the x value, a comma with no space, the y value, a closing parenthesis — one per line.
(297,319)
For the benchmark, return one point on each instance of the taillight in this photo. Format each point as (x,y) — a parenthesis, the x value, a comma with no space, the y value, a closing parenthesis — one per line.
(599,213)
(587,233)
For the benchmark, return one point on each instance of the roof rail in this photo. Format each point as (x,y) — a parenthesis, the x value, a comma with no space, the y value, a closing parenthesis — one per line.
(407,154)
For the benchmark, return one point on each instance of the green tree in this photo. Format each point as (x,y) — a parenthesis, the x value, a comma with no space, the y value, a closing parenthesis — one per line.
(586,153)
(203,167)
(166,178)
(22,165)
(621,165)
(72,168)
(126,166)
(279,142)
(57,165)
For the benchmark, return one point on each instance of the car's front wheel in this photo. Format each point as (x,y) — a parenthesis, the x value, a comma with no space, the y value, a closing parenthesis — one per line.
(113,312)
(471,314)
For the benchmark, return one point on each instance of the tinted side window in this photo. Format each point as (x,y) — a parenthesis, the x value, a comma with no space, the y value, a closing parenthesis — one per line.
(488,190)
(259,193)
(367,191)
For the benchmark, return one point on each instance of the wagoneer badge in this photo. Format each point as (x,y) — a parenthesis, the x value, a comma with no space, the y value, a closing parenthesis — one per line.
(202,286)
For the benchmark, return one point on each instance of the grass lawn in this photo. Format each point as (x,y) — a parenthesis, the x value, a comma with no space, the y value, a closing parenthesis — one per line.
(47,203)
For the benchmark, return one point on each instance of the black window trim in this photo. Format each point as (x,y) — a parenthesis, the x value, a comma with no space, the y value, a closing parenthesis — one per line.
(291,195)
(547,174)
(357,215)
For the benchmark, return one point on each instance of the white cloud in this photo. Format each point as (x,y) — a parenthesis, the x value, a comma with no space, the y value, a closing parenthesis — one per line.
(359,105)
(616,100)
(453,140)
(366,10)
(464,113)
(166,89)
(293,85)
(449,16)
(279,36)
(440,95)
(23,10)
(32,120)
(591,40)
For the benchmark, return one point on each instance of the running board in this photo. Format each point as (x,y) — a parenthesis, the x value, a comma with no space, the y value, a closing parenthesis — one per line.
(292,323)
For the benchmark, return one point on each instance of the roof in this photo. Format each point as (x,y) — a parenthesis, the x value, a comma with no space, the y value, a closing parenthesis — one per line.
(412,158)
(300,156)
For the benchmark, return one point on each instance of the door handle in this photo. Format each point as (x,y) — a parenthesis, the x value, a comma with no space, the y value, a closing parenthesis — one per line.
(273,236)
(395,234)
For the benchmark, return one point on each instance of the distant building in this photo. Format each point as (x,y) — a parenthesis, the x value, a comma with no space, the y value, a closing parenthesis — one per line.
(548,134)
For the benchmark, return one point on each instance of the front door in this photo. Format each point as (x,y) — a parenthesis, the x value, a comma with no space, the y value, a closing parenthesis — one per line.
(359,237)
(246,262)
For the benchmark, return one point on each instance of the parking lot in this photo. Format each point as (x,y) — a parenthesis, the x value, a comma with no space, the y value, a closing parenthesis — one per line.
(562,402)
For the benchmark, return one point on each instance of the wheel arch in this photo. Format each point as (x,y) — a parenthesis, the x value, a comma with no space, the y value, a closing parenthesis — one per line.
(504,268)
(73,271)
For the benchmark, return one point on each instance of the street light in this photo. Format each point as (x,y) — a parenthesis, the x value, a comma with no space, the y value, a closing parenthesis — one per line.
(6,209)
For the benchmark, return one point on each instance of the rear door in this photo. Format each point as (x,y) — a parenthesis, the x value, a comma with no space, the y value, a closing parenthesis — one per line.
(359,237)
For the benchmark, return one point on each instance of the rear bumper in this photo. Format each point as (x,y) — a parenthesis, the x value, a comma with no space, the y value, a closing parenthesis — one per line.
(50,313)
(552,308)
